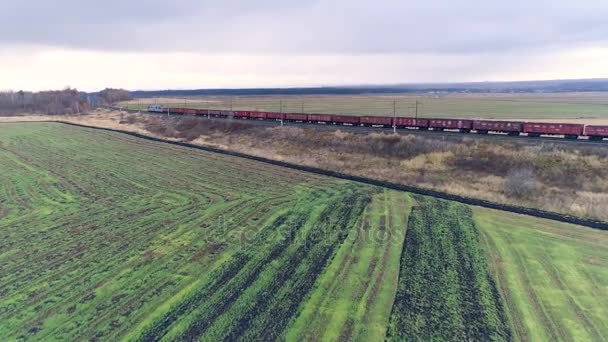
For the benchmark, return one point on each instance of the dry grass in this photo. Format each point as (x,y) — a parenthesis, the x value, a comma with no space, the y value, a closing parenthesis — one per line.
(570,179)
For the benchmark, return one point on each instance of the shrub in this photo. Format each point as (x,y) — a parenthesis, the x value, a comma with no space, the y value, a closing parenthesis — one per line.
(521,183)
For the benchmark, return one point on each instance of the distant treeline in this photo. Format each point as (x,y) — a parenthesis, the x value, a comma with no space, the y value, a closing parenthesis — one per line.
(109,96)
(54,102)
(67,101)
(473,87)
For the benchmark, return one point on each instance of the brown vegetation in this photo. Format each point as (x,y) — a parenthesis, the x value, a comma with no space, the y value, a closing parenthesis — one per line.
(565,178)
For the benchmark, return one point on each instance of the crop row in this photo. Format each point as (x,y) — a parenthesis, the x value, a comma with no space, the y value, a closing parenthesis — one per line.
(445,291)
(353,298)
(257,292)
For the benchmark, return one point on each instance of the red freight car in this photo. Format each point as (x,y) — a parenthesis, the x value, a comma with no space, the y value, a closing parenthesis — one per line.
(570,131)
(345,119)
(412,122)
(441,124)
(185,111)
(241,114)
(274,115)
(175,110)
(596,132)
(219,113)
(314,118)
(295,117)
(485,126)
(376,121)
(257,115)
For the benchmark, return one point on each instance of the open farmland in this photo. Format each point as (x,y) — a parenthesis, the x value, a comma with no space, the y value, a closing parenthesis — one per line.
(104,236)
(570,106)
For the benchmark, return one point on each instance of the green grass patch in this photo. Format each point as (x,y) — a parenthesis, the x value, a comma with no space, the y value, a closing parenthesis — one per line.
(553,276)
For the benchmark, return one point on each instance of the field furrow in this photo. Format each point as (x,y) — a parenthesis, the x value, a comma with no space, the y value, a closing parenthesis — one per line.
(445,290)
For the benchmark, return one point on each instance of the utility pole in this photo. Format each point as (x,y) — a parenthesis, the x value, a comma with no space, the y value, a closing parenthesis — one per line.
(394,117)
(281,111)
(415,107)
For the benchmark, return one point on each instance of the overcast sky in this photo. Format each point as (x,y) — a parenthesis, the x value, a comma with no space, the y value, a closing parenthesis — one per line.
(155,44)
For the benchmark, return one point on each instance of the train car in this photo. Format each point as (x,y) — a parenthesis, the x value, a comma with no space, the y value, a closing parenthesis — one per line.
(241,114)
(219,113)
(258,115)
(421,124)
(201,111)
(274,115)
(570,131)
(595,132)
(346,120)
(180,111)
(295,117)
(369,121)
(316,118)
(174,110)
(510,127)
(441,124)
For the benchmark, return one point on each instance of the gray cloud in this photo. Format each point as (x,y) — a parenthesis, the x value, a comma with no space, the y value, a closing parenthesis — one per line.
(306,27)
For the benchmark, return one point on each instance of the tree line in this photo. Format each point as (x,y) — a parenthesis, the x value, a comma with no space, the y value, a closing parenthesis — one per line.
(55,102)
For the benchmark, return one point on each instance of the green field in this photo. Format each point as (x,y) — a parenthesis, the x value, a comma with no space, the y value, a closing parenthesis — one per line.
(493,106)
(110,237)
(553,276)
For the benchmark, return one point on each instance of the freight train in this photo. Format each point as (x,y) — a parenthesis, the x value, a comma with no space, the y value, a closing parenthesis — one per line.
(513,128)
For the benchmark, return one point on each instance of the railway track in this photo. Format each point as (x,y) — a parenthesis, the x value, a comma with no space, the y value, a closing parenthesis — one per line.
(366,130)
(591,223)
